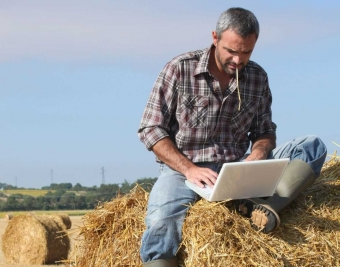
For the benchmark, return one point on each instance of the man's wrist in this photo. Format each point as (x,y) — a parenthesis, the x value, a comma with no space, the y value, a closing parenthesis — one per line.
(260,151)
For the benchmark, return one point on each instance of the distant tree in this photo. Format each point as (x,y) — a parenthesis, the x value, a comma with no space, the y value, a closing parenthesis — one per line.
(52,199)
(57,195)
(80,202)
(67,200)
(146,183)
(29,203)
(10,187)
(12,203)
(66,186)
(61,186)
(46,187)
(41,203)
(2,205)
(125,187)
(91,200)
(18,196)
(77,187)
(93,188)
(107,191)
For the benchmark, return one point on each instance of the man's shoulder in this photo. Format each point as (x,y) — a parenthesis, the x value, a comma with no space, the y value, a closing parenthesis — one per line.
(254,67)
(192,55)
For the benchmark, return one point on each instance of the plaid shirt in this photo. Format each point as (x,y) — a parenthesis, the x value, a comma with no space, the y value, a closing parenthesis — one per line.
(187,105)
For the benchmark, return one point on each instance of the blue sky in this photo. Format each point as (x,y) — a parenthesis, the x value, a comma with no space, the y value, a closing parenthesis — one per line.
(75,77)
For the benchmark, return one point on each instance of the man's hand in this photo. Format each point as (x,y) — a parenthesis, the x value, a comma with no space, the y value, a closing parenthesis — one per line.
(168,153)
(201,176)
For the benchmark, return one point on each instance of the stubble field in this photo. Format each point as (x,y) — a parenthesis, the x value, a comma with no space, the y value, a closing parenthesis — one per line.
(76,221)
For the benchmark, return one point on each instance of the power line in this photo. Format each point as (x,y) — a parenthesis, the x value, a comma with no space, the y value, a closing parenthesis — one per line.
(103,175)
(51,172)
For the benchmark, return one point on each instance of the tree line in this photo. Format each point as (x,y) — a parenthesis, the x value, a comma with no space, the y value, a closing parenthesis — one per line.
(65,196)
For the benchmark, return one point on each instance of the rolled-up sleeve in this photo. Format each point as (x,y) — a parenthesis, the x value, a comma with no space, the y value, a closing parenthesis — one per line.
(160,107)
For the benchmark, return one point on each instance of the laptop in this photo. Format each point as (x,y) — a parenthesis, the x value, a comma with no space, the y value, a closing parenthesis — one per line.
(245,179)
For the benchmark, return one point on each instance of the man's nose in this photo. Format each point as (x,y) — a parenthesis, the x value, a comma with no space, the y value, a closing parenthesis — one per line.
(237,60)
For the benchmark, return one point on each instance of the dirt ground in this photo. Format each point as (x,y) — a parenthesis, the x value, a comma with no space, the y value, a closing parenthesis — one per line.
(76,221)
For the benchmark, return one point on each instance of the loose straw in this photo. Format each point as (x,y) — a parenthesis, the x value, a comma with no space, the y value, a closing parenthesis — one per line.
(238,90)
(110,236)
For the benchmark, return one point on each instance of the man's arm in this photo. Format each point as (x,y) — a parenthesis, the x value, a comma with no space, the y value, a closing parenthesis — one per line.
(262,147)
(168,153)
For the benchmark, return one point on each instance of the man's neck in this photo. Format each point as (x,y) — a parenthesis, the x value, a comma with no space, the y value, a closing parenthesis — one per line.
(217,71)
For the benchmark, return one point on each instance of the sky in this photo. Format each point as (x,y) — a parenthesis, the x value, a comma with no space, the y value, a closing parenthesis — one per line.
(75,77)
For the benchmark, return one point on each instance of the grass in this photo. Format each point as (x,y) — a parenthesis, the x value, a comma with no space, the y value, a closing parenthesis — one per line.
(28,192)
(36,192)
(46,212)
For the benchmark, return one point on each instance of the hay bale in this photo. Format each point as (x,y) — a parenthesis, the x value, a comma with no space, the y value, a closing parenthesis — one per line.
(8,216)
(65,219)
(30,239)
(111,233)
(214,235)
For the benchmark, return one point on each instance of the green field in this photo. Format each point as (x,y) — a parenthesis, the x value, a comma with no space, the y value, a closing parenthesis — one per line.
(44,212)
(28,192)
(34,192)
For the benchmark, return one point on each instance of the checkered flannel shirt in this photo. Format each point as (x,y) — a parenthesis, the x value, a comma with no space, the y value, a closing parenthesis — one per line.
(187,105)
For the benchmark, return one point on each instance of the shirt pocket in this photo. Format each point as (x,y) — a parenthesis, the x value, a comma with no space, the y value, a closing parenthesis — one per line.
(242,119)
(193,111)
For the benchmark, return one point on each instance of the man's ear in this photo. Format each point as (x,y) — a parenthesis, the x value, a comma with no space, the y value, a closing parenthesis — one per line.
(214,37)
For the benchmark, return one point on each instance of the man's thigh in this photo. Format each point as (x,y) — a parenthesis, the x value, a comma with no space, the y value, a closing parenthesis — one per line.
(169,195)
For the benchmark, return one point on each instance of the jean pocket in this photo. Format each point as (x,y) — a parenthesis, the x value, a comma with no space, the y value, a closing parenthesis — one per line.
(193,110)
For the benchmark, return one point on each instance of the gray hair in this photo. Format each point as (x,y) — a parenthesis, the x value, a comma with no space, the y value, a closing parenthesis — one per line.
(240,20)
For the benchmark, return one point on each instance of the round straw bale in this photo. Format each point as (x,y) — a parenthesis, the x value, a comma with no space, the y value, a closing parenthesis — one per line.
(8,216)
(36,240)
(65,219)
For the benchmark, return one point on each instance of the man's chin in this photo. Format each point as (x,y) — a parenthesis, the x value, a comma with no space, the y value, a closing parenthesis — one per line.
(230,71)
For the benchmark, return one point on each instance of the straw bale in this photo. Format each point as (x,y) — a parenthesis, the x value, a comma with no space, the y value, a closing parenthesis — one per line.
(30,239)
(111,233)
(8,216)
(65,219)
(215,235)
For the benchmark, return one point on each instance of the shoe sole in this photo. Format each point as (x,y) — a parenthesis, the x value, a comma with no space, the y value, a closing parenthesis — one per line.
(262,216)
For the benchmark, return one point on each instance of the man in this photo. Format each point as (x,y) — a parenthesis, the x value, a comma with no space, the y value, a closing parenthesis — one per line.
(205,109)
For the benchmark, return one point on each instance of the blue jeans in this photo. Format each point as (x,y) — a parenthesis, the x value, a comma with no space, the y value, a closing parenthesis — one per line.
(169,198)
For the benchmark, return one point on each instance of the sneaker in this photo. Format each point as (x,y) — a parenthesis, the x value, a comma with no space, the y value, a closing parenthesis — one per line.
(262,216)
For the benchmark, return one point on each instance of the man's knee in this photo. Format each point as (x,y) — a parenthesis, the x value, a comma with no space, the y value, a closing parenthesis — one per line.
(313,151)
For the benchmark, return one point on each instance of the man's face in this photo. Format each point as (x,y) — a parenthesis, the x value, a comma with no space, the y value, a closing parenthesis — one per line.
(233,51)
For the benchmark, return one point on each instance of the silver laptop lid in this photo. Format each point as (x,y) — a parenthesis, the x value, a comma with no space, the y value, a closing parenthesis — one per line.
(247,179)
